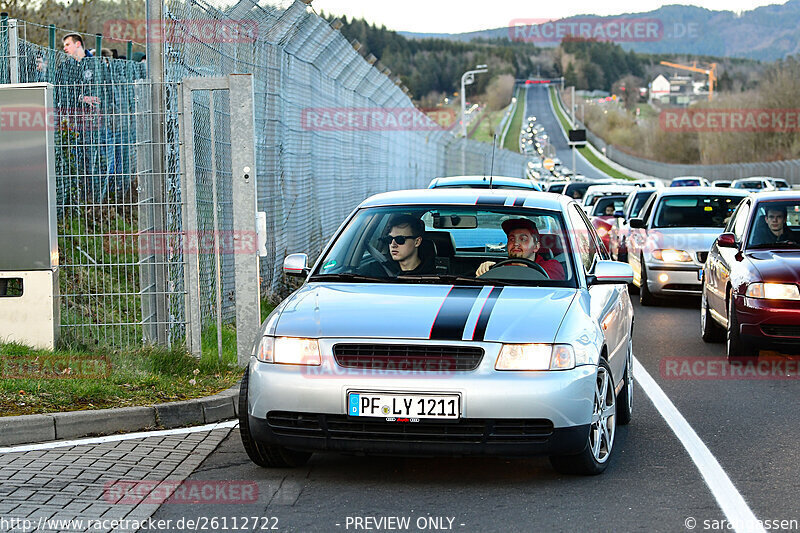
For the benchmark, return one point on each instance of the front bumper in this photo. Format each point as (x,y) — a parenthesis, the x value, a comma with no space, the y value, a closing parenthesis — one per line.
(774,323)
(502,413)
(680,279)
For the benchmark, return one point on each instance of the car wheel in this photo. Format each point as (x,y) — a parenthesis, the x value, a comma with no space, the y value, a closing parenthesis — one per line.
(625,397)
(645,296)
(266,455)
(710,331)
(594,458)
(737,349)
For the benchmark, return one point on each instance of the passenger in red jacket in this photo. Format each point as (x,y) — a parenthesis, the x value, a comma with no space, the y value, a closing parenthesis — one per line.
(523,241)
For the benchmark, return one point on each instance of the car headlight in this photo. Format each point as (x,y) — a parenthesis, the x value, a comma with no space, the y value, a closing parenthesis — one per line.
(672,256)
(773,291)
(536,357)
(288,351)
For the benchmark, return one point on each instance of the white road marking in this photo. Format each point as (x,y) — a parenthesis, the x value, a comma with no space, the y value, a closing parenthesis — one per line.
(116,438)
(730,501)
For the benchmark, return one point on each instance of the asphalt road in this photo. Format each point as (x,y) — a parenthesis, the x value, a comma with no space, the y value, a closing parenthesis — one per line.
(651,485)
(539,106)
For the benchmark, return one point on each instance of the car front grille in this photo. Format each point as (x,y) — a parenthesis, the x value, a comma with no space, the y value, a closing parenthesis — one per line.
(408,357)
(701,257)
(781,331)
(341,427)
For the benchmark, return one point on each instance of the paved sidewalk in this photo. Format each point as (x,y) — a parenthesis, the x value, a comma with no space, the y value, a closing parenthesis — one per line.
(72,482)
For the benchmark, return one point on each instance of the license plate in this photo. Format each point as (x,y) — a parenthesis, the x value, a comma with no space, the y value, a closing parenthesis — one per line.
(411,406)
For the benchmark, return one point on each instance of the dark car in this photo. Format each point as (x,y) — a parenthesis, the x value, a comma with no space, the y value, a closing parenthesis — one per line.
(751,280)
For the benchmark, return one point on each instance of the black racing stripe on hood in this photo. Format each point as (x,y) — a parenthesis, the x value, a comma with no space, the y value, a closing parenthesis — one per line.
(483,318)
(452,317)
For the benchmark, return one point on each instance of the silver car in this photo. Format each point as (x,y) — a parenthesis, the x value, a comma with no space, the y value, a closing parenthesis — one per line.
(669,241)
(532,357)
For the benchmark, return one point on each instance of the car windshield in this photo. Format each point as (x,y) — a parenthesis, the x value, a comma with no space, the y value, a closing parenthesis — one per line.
(775,225)
(695,211)
(686,183)
(378,244)
(606,204)
(748,185)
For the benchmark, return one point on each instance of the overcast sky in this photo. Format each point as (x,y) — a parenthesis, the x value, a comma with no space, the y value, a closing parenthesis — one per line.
(441,16)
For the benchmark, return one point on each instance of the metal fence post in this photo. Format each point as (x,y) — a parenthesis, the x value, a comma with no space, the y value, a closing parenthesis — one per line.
(155,72)
(13,50)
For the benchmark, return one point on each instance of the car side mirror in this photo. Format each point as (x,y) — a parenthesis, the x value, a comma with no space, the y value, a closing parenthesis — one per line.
(611,272)
(727,240)
(296,265)
(636,223)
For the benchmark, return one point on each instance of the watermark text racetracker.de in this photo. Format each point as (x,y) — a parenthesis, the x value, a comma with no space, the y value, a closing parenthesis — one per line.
(730,120)
(181,31)
(377,119)
(54,366)
(719,368)
(617,30)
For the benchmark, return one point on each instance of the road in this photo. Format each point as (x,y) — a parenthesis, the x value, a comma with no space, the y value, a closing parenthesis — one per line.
(539,106)
(652,483)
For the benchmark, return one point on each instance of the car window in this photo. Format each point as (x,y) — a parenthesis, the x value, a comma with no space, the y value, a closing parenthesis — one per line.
(775,223)
(639,200)
(455,240)
(615,202)
(695,211)
(739,220)
(584,239)
(647,207)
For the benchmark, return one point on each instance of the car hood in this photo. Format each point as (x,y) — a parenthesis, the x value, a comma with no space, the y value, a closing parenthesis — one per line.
(777,265)
(425,311)
(689,239)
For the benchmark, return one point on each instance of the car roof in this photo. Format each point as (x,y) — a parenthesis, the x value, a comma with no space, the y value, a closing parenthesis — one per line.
(694,191)
(775,195)
(468,180)
(487,197)
(622,189)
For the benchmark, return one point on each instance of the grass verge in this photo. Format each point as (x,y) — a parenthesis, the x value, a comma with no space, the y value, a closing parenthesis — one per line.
(71,379)
(512,138)
(585,151)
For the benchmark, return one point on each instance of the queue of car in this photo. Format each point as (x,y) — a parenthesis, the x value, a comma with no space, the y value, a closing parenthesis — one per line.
(512,359)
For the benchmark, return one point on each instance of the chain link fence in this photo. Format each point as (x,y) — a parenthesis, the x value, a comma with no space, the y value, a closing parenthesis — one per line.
(117,146)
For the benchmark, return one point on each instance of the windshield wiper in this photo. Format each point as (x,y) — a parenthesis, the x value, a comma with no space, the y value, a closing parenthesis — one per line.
(451,279)
(780,244)
(348,277)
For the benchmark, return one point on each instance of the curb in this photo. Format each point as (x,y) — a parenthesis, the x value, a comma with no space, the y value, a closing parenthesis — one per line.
(28,429)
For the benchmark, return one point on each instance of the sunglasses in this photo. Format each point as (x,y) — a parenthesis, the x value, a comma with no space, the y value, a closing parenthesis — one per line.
(399,239)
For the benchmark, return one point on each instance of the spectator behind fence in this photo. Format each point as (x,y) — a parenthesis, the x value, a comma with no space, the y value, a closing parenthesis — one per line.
(85,102)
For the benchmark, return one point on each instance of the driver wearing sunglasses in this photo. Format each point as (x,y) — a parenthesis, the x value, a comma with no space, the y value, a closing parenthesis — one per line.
(403,242)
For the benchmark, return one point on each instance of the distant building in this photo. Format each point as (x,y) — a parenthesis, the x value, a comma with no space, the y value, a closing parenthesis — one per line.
(677,90)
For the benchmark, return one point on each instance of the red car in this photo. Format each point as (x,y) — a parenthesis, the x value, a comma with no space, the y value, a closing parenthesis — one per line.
(751,279)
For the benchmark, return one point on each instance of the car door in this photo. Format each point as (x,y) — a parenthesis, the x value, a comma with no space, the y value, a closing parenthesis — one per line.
(637,238)
(606,306)
(725,259)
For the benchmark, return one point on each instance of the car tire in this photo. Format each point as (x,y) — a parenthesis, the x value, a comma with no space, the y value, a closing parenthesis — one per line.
(265,455)
(710,331)
(596,455)
(736,348)
(625,396)
(646,297)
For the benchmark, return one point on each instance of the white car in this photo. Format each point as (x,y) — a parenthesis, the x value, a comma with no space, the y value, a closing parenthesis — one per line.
(670,239)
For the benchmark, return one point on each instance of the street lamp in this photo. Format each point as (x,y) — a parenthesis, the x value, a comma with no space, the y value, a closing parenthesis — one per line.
(468,78)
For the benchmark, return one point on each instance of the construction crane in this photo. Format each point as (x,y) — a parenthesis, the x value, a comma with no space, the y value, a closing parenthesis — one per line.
(710,71)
